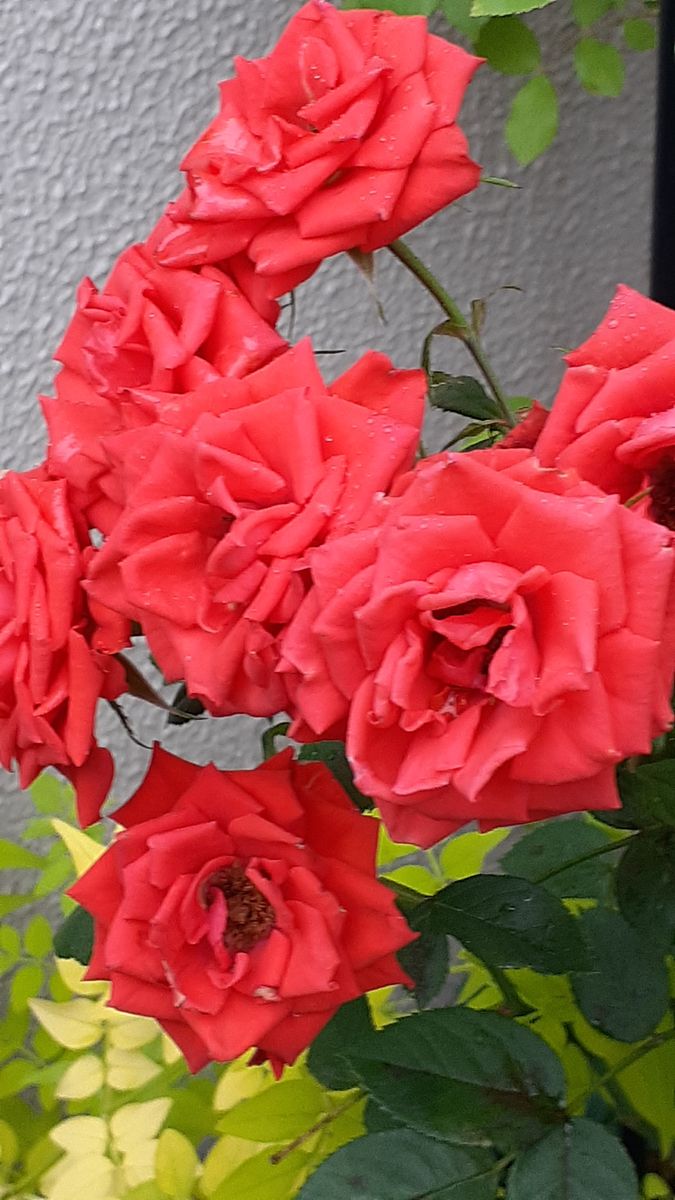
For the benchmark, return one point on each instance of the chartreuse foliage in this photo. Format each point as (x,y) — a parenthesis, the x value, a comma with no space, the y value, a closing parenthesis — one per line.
(603,30)
(536,1049)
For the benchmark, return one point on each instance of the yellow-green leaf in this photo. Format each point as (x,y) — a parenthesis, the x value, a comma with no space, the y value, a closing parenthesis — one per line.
(81,1136)
(223,1159)
(258,1179)
(239,1082)
(26,982)
(129,1069)
(71,972)
(464,855)
(77,1024)
(88,1178)
(38,937)
(134,1123)
(83,850)
(83,1078)
(282,1112)
(129,1032)
(175,1164)
(9,1145)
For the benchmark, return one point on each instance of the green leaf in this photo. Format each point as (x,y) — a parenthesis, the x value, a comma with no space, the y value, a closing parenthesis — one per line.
(639,34)
(626,994)
(175,1164)
(506,922)
(51,796)
(426,961)
(285,1110)
(647,796)
(258,1179)
(533,119)
(14,857)
(75,938)
(461,394)
(509,45)
(270,736)
(549,844)
(37,939)
(645,887)
(403,1165)
(504,8)
(581,1161)
(328,1058)
(26,983)
(15,1076)
(587,12)
(9,904)
(465,1076)
(599,67)
(332,755)
(458,14)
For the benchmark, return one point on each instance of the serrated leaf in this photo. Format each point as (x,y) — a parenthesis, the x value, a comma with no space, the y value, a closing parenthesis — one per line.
(26,982)
(639,34)
(581,1161)
(626,994)
(327,1058)
(599,67)
(505,8)
(83,850)
(647,796)
(175,1164)
(533,119)
(509,45)
(37,939)
(645,887)
(129,1069)
(403,1165)
(506,922)
(76,1024)
(14,857)
(83,1078)
(550,844)
(281,1112)
(75,937)
(461,394)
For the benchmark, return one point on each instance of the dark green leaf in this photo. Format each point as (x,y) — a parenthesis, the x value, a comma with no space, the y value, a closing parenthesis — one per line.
(586,12)
(581,1161)
(75,938)
(461,394)
(332,754)
(426,960)
(377,1119)
(645,887)
(548,845)
(533,119)
(331,1052)
(639,34)
(184,708)
(468,1077)
(647,796)
(269,738)
(509,45)
(626,994)
(599,67)
(506,922)
(403,1165)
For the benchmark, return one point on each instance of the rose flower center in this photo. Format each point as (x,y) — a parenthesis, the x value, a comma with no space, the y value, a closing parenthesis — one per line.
(250,917)
(463,672)
(662,500)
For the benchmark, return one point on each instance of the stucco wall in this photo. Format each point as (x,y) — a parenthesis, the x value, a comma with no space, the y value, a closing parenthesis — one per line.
(100,98)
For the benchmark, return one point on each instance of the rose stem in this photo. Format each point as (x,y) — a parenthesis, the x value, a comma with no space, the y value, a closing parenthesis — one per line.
(463,329)
(326,1119)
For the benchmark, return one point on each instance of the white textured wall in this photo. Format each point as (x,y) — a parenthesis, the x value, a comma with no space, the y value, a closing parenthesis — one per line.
(100,98)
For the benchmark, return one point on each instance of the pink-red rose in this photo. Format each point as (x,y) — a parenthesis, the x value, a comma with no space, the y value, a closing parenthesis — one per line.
(152,346)
(613,419)
(240,908)
(344,136)
(494,644)
(50,678)
(209,554)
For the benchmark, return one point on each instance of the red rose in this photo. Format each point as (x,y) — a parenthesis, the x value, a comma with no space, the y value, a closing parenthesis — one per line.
(50,678)
(152,346)
(613,419)
(495,642)
(209,554)
(240,908)
(343,137)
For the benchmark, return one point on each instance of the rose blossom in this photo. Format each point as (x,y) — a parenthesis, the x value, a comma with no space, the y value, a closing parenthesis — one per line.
(613,419)
(344,136)
(50,678)
(494,643)
(152,346)
(209,553)
(240,908)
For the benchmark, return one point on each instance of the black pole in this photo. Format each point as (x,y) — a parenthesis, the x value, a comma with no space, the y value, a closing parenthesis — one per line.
(663,228)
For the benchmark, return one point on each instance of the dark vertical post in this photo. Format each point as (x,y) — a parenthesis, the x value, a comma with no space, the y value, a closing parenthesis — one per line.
(663,228)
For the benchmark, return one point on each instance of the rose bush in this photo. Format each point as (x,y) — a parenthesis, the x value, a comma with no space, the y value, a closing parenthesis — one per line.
(613,419)
(209,555)
(50,676)
(240,908)
(152,346)
(344,136)
(495,642)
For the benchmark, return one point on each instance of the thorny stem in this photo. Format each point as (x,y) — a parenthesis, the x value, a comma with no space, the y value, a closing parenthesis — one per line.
(582,858)
(326,1119)
(404,254)
(657,1039)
